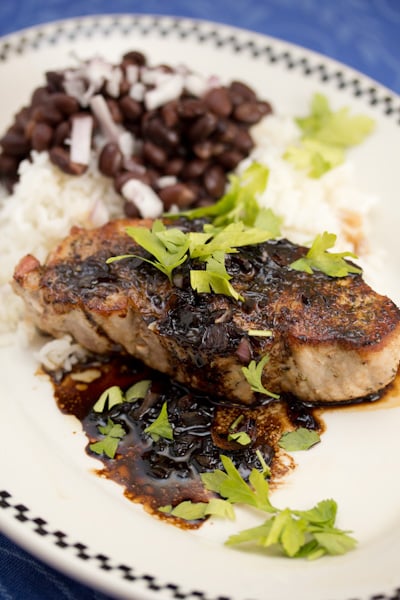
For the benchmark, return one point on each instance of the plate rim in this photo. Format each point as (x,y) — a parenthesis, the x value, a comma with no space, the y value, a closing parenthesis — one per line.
(314,64)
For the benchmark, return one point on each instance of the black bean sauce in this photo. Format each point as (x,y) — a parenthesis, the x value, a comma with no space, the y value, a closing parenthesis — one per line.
(162,472)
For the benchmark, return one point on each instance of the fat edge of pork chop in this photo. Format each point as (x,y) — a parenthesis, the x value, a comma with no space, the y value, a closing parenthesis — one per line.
(333,340)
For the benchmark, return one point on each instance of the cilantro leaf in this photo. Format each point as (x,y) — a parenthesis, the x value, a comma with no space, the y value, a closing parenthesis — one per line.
(113,433)
(297,534)
(314,156)
(206,281)
(253,374)
(138,390)
(239,203)
(326,136)
(114,395)
(168,246)
(334,541)
(300,439)
(161,427)
(331,263)
(109,398)
(241,437)
(322,513)
(191,511)
(231,486)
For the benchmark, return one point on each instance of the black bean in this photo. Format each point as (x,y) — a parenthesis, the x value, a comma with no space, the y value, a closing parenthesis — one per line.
(218,101)
(68,105)
(15,143)
(41,136)
(130,108)
(155,131)
(60,157)
(230,159)
(169,113)
(203,127)
(251,112)
(190,108)
(179,194)
(239,91)
(174,166)
(55,81)
(154,154)
(243,141)
(8,165)
(47,114)
(39,96)
(61,133)
(22,118)
(194,168)
(134,58)
(214,181)
(110,159)
(131,210)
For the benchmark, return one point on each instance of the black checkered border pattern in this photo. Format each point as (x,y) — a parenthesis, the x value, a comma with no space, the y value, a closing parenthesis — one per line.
(216,36)
(61,539)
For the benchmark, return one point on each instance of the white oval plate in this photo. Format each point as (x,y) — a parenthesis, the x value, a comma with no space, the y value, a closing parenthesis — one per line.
(51,501)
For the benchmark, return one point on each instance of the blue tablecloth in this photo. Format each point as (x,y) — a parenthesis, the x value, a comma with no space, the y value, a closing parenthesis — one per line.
(361,33)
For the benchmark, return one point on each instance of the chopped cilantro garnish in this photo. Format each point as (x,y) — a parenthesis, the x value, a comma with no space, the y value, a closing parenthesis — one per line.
(299,439)
(297,533)
(331,263)
(168,246)
(191,511)
(161,427)
(138,390)
(326,135)
(237,221)
(253,374)
(109,398)
(241,437)
(113,433)
(114,395)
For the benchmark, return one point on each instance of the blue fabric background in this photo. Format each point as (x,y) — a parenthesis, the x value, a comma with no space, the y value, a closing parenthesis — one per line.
(365,34)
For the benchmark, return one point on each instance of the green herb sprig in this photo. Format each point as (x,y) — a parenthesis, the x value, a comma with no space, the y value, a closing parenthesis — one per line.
(295,533)
(319,259)
(113,433)
(326,135)
(161,427)
(253,374)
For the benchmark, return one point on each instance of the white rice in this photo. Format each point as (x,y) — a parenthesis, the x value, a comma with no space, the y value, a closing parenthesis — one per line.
(46,203)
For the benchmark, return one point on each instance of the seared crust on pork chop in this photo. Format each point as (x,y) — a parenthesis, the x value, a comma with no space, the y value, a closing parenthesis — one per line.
(333,339)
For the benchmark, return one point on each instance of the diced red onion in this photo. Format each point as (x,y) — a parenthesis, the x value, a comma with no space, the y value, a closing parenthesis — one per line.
(195,84)
(81,139)
(114,82)
(170,89)
(166,181)
(137,91)
(108,127)
(143,197)
(126,143)
(132,73)
(99,214)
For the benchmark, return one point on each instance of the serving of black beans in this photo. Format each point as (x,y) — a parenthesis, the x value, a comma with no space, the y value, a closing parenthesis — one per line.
(194,141)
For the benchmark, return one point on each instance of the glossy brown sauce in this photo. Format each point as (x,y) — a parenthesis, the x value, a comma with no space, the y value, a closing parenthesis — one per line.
(157,473)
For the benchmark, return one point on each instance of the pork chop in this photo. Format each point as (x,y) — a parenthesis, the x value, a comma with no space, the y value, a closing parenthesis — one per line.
(333,339)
